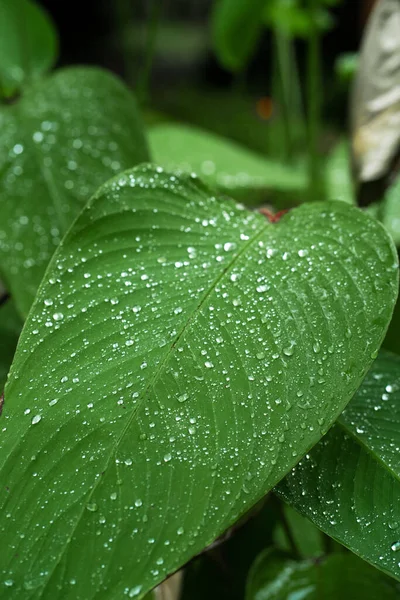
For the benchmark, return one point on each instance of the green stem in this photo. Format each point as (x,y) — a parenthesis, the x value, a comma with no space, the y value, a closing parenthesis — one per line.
(287,530)
(282,47)
(314,104)
(143,89)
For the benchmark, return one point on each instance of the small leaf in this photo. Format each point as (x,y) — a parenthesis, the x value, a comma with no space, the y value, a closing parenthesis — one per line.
(10,328)
(28,44)
(274,576)
(220,162)
(349,484)
(181,355)
(57,146)
(390,211)
(236,28)
(338,175)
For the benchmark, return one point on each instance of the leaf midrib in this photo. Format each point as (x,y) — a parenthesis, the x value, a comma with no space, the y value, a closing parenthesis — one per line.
(152,381)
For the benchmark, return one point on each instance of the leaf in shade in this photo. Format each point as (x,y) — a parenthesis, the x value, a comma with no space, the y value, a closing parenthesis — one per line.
(66,137)
(349,484)
(181,355)
(275,576)
(390,211)
(28,44)
(220,162)
(338,175)
(236,28)
(10,328)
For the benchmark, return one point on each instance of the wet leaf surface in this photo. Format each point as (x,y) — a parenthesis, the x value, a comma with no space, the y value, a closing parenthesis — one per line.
(58,144)
(181,355)
(349,484)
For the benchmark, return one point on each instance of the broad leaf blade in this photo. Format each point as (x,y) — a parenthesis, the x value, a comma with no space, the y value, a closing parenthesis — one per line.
(28,44)
(57,146)
(274,576)
(349,484)
(236,27)
(181,355)
(221,162)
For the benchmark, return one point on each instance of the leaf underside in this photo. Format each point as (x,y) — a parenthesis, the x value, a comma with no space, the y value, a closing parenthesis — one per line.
(181,355)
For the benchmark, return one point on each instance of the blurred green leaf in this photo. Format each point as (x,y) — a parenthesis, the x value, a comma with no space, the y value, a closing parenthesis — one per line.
(236,28)
(181,355)
(221,163)
(64,138)
(28,44)
(295,20)
(274,576)
(390,211)
(307,538)
(346,66)
(339,183)
(10,328)
(349,484)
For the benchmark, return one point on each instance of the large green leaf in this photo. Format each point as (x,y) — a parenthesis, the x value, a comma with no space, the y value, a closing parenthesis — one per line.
(28,44)
(274,576)
(57,146)
(236,28)
(180,357)
(10,328)
(220,162)
(349,484)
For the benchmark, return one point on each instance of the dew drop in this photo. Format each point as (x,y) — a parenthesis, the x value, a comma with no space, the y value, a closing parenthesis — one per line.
(395,547)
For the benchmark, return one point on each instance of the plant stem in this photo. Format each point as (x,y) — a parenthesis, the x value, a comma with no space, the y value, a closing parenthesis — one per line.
(282,47)
(287,530)
(314,84)
(143,88)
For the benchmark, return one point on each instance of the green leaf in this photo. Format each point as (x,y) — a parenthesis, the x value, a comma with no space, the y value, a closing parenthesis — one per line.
(220,162)
(10,328)
(274,576)
(181,355)
(57,146)
(236,28)
(338,176)
(28,44)
(349,484)
(307,539)
(390,211)
(292,19)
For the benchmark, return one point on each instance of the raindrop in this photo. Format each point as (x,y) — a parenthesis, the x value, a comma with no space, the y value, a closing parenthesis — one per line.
(135,591)
(36,419)
(395,547)
(183,397)
(167,457)
(289,350)
(92,507)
